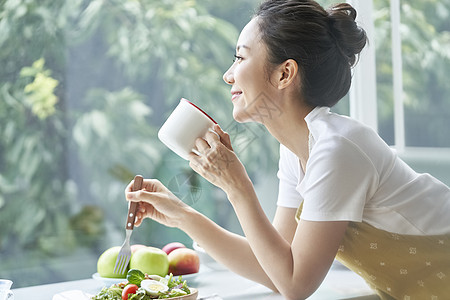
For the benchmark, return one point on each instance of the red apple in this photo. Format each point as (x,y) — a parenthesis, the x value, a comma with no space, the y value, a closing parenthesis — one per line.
(172,246)
(183,261)
(136,247)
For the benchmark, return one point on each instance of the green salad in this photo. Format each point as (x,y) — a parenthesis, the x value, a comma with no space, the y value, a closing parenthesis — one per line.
(140,286)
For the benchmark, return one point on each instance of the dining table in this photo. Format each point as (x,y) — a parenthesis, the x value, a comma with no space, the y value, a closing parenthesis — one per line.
(213,284)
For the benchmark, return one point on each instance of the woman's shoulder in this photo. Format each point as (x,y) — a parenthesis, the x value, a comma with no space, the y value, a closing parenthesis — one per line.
(347,132)
(323,122)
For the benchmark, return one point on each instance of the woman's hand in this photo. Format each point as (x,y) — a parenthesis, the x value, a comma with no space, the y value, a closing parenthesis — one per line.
(156,202)
(216,161)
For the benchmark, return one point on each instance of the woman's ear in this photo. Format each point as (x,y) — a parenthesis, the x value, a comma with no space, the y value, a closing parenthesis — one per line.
(287,71)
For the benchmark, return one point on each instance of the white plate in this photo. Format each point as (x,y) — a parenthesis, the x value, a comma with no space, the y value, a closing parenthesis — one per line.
(110,281)
(188,277)
(80,295)
(72,295)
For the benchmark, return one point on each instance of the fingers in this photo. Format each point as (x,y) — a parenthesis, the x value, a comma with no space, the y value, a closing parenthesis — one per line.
(213,137)
(156,202)
(144,210)
(204,145)
(129,186)
(145,196)
(196,152)
(201,146)
(141,213)
(224,137)
(213,132)
(148,185)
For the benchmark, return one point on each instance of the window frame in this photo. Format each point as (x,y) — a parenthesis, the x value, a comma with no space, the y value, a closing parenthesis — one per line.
(363,95)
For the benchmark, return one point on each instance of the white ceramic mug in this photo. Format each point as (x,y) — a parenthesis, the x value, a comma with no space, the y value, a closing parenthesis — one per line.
(5,292)
(186,123)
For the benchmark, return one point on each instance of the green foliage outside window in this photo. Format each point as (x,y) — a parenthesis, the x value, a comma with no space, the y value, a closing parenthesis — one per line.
(425,32)
(84,86)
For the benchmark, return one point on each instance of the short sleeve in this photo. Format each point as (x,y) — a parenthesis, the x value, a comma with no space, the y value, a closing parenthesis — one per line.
(289,175)
(338,181)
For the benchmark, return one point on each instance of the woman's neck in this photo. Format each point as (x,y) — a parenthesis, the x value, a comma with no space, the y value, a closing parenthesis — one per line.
(290,128)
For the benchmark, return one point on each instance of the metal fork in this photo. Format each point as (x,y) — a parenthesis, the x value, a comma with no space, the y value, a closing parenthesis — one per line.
(125,252)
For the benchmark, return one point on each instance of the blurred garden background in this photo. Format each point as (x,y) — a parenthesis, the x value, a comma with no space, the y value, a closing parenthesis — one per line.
(85,86)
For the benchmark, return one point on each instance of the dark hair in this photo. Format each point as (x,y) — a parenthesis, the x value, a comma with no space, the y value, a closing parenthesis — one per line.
(324,43)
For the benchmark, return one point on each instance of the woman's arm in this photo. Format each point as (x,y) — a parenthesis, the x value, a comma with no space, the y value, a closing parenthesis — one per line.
(296,269)
(285,223)
(232,250)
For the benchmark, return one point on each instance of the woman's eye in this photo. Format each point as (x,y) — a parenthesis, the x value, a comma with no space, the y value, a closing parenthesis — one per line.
(237,58)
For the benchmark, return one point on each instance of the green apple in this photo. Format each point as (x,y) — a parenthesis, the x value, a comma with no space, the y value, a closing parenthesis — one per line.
(150,260)
(106,263)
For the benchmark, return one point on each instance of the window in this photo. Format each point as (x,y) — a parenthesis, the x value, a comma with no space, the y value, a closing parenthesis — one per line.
(84,87)
(400,87)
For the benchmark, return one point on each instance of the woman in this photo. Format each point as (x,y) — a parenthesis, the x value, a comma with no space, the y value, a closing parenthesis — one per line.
(343,193)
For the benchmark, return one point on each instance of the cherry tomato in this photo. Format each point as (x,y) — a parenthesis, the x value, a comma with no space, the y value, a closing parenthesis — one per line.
(129,289)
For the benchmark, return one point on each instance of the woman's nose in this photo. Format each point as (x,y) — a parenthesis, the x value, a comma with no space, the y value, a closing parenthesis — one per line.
(228,76)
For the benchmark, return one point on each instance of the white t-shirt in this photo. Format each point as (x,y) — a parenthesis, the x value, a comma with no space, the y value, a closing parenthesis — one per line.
(353,175)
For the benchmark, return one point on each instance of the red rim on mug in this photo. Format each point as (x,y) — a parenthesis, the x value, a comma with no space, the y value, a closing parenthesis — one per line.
(183,99)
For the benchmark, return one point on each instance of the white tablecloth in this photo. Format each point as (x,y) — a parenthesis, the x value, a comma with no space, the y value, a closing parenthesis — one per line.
(340,283)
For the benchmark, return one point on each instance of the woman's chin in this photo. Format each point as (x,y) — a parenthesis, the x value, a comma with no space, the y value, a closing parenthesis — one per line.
(244,117)
(240,117)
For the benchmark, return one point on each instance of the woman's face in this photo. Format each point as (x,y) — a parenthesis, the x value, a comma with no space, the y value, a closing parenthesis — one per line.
(250,87)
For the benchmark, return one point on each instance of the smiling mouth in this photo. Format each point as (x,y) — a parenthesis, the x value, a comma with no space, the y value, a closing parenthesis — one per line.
(235,95)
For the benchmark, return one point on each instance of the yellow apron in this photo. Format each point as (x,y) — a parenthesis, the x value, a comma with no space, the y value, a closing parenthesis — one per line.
(402,267)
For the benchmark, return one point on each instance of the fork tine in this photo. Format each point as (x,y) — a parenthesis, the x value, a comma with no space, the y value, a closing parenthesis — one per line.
(125,263)
(117,267)
(121,264)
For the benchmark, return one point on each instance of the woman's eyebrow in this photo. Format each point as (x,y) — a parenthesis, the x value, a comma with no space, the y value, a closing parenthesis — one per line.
(242,46)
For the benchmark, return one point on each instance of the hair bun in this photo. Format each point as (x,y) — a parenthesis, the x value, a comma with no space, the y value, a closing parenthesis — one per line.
(349,37)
